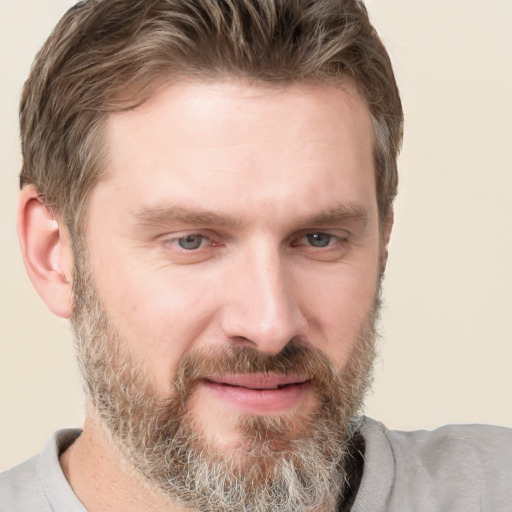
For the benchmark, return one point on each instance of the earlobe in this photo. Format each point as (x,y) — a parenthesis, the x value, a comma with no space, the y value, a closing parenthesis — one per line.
(46,252)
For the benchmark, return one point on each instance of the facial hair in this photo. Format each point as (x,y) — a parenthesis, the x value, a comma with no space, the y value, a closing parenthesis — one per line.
(285,462)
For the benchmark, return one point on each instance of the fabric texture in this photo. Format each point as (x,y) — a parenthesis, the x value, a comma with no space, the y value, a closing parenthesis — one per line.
(457,468)
(39,484)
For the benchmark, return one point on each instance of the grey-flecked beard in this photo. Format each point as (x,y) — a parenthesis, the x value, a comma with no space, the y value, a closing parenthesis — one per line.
(291,463)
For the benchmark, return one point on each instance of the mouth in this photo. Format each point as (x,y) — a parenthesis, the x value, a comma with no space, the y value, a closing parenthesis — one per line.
(258,393)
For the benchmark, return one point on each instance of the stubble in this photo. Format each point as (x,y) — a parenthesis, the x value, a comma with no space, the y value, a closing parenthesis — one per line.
(289,463)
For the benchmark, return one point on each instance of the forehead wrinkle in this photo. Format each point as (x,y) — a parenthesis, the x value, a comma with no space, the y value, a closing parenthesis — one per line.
(168,214)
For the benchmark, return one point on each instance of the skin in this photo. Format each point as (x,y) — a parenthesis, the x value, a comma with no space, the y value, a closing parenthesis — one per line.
(259,179)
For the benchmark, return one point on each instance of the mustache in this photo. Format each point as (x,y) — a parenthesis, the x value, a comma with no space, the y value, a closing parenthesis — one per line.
(298,358)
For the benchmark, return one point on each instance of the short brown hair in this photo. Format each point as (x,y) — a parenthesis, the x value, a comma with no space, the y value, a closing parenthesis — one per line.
(109,55)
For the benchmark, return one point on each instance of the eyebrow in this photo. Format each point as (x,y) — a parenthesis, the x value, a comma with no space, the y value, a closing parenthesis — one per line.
(351,212)
(169,214)
(164,215)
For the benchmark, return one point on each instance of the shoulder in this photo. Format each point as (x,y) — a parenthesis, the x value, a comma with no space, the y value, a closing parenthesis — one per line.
(466,442)
(39,483)
(455,467)
(20,488)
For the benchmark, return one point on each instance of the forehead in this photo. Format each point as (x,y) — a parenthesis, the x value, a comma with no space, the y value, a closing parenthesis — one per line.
(201,106)
(233,140)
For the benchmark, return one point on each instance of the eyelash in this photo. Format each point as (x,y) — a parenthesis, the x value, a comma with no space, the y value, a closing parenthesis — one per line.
(332,241)
(203,238)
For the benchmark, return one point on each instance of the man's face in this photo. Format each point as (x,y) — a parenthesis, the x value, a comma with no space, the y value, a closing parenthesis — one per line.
(237,223)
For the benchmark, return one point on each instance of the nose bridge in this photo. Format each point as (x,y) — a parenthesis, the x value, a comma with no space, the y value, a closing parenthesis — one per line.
(265,309)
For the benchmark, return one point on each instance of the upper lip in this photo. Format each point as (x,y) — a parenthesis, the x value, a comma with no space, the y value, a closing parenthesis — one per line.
(258,380)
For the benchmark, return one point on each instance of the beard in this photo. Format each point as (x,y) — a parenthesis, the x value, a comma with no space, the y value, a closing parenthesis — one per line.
(286,462)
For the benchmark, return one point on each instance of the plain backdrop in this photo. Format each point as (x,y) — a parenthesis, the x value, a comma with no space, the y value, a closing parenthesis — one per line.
(446,352)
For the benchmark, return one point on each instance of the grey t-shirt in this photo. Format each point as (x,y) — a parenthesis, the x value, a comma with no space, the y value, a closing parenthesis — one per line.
(452,469)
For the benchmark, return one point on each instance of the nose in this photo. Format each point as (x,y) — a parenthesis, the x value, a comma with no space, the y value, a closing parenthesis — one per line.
(264,307)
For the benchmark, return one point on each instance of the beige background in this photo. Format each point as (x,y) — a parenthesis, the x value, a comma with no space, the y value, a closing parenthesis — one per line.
(447,344)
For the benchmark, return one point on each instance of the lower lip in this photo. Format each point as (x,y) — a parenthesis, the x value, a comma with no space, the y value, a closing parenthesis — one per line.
(259,401)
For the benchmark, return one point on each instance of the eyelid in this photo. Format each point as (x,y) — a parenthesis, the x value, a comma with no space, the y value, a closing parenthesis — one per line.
(174,238)
(175,254)
(203,240)
(170,241)
(337,234)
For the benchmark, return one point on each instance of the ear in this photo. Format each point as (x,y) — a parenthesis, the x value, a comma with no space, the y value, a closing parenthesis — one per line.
(46,250)
(387,226)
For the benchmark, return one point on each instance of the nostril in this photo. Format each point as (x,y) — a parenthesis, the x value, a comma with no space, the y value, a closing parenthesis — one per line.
(266,325)
(242,341)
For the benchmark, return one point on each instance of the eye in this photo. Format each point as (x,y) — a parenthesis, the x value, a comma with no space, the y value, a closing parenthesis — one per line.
(319,239)
(322,246)
(191,242)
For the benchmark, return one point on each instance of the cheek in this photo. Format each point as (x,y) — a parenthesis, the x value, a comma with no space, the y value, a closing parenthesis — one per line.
(338,310)
(158,316)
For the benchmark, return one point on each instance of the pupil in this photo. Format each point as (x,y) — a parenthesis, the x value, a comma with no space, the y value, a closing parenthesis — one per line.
(190,242)
(319,239)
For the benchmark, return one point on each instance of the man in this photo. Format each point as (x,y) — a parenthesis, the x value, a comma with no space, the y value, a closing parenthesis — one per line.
(207,194)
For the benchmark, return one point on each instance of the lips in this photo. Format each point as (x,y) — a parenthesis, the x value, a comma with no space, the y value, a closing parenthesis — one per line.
(259,393)
(259,381)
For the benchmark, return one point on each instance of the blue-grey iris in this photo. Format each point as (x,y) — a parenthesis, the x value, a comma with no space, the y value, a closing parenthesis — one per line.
(190,242)
(319,239)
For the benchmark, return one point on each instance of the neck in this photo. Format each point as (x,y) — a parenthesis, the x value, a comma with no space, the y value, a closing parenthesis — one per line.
(103,480)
